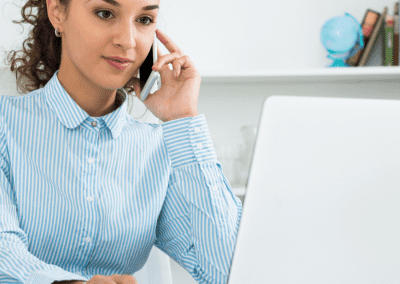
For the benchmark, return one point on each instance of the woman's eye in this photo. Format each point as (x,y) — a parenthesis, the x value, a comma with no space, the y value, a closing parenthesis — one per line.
(103,11)
(150,21)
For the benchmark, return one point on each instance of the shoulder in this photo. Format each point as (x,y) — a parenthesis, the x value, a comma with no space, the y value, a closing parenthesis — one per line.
(144,127)
(15,105)
(149,136)
(7,101)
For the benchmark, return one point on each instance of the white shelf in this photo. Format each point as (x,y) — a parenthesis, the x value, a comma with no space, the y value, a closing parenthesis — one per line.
(343,74)
(338,74)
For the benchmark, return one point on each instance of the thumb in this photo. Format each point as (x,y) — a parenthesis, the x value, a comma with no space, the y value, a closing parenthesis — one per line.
(137,86)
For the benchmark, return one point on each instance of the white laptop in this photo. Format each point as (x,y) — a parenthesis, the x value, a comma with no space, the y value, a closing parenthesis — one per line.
(323,196)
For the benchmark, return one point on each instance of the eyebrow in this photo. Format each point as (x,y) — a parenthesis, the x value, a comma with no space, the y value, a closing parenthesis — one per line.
(116,4)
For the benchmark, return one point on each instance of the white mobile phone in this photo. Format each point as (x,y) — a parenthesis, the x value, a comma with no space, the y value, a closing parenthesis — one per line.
(147,75)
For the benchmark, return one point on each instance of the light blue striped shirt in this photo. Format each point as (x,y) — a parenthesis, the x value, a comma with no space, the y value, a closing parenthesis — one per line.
(82,195)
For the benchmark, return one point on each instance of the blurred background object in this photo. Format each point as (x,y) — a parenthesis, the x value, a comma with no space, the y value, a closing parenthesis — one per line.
(236,158)
(229,157)
(249,133)
(340,35)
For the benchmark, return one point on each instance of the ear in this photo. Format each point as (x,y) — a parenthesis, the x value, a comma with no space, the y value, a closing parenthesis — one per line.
(54,13)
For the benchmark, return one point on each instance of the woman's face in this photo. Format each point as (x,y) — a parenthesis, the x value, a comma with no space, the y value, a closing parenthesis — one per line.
(105,28)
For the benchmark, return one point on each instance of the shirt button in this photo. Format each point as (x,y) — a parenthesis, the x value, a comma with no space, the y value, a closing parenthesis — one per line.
(215,187)
(90,160)
(94,123)
(200,146)
(88,239)
(89,198)
(197,129)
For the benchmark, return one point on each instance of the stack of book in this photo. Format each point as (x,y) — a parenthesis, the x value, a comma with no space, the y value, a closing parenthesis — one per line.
(373,24)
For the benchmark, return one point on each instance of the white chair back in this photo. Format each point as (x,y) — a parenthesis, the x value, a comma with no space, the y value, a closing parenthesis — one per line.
(156,270)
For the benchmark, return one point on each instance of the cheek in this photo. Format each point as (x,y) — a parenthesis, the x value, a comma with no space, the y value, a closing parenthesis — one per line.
(142,49)
(89,37)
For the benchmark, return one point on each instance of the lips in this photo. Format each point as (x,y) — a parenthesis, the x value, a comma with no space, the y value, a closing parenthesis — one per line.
(116,60)
(117,65)
(119,59)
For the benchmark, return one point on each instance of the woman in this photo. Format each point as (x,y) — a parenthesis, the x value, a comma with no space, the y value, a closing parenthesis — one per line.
(86,190)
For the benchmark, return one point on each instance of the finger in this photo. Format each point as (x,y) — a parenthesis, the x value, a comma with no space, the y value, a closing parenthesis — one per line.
(137,85)
(120,279)
(177,67)
(127,279)
(168,43)
(165,59)
(184,63)
(159,53)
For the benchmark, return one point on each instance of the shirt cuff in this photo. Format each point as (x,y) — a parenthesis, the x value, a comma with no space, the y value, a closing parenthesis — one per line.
(188,140)
(52,275)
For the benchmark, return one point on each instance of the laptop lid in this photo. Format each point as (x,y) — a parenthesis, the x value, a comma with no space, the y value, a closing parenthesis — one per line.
(323,196)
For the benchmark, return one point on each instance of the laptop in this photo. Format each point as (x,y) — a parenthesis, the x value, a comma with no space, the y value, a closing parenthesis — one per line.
(323,196)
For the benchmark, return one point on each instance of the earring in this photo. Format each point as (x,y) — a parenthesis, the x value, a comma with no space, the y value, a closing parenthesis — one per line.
(58,34)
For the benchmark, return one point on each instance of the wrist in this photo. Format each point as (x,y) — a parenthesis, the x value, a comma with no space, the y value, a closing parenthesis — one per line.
(182,116)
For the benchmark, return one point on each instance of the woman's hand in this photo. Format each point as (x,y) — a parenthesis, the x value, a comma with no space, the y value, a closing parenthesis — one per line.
(113,279)
(179,92)
(101,279)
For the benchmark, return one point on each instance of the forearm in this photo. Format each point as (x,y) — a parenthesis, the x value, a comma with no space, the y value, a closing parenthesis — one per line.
(200,234)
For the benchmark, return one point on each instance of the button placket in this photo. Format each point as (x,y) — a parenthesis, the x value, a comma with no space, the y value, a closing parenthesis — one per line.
(91,155)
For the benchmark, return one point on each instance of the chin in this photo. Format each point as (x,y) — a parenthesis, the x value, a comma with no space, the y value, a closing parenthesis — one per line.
(109,83)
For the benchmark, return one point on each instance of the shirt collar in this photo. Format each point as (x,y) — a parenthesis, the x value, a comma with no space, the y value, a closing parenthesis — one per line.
(71,114)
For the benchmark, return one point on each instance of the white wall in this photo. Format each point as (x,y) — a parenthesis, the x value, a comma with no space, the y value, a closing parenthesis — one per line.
(228,107)
(235,35)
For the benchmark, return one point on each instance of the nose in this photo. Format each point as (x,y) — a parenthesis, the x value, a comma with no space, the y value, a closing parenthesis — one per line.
(126,36)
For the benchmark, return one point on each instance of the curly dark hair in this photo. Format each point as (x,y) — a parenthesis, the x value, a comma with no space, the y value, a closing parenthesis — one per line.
(43,56)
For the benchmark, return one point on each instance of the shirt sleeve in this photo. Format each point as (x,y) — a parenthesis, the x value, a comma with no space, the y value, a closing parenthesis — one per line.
(199,221)
(17,264)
